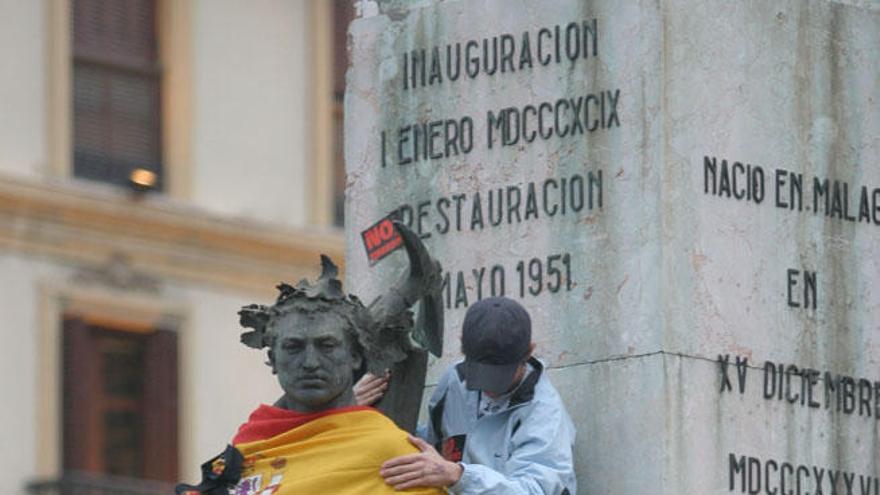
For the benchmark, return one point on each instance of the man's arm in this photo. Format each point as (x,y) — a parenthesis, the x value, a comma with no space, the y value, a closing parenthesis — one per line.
(540,463)
(541,459)
(425,469)
(370,388)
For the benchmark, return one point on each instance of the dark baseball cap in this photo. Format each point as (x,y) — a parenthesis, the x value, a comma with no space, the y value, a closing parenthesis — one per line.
(496,337)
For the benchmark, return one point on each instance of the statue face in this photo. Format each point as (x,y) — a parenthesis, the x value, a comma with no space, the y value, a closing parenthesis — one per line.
(314,361)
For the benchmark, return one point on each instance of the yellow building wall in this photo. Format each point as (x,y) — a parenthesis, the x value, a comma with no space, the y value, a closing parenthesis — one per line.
(239,96)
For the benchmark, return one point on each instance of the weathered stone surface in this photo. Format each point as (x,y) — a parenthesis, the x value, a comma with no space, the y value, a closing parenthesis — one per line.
(627,158)
(671,270)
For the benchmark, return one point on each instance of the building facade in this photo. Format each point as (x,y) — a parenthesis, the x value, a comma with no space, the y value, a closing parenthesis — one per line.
(162,163)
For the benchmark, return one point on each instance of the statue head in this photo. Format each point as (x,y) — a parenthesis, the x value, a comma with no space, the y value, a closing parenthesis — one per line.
(313,333)
(321,340)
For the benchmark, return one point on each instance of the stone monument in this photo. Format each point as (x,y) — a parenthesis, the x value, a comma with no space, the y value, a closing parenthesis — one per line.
(685,195)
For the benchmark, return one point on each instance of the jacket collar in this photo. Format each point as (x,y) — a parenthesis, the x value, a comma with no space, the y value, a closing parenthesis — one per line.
(525,391)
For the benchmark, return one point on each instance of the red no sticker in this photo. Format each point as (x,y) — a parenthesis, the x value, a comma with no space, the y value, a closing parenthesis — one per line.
(380,240)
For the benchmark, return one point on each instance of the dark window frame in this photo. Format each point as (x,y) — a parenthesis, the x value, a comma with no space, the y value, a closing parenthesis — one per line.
(85,401)
(105,64)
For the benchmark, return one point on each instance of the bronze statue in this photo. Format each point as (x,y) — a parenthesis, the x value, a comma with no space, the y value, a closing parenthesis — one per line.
(380,332)
(320,341)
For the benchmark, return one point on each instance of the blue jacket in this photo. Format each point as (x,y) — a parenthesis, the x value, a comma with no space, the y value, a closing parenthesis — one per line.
(523,448)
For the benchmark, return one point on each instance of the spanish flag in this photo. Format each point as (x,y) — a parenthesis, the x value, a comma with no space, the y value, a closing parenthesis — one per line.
(331,452)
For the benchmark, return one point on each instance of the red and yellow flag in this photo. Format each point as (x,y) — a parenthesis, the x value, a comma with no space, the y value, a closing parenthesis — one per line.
(333,452)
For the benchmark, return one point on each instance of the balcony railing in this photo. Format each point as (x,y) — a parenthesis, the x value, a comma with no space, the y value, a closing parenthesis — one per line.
(93,484)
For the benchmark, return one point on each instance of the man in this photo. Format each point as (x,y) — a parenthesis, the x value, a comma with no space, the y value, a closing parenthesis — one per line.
(500,425)
(313,440)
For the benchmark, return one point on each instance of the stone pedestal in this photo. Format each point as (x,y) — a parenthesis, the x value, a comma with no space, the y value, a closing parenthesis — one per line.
(684,194)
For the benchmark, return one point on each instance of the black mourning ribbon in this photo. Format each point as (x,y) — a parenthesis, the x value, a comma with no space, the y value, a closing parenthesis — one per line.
(217,483)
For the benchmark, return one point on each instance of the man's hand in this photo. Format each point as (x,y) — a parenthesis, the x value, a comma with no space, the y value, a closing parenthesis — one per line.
(370,388)
(426,469)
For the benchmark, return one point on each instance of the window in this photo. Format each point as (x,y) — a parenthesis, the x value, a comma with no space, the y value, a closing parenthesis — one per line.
(120,401)
(343,14)
(116,90)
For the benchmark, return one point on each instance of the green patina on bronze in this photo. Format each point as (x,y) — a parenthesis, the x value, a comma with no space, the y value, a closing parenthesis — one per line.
(320,339)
